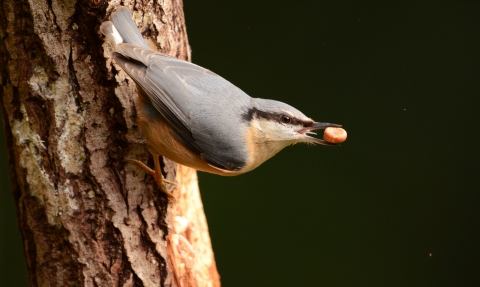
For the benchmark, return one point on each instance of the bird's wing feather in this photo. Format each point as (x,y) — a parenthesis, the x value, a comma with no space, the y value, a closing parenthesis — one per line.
(196,102)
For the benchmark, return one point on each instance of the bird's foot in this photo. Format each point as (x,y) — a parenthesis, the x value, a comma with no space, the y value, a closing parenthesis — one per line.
(157,175)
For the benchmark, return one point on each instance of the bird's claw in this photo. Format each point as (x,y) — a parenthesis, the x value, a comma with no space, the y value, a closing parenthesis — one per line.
(157,175)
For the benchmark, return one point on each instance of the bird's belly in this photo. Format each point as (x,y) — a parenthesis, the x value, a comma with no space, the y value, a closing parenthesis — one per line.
(162,142)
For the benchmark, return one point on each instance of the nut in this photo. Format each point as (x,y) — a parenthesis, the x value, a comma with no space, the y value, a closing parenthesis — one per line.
(334,135)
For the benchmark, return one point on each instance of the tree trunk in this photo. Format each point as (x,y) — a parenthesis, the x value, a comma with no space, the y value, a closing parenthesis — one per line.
(87,218)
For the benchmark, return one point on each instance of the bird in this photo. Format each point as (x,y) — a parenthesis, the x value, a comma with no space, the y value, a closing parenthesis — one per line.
(195,117)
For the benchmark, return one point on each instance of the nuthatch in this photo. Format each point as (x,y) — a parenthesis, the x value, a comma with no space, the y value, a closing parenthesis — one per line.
(197,118)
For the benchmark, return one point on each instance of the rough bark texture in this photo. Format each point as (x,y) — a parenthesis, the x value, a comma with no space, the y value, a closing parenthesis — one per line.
(86,217)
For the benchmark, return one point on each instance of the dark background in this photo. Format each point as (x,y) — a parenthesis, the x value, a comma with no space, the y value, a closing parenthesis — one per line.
(398,203)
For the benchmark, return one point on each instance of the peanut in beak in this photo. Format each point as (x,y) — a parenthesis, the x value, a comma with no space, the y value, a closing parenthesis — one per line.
(334,135)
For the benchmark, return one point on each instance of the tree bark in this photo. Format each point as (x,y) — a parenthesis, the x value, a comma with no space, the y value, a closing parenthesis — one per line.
(87,218)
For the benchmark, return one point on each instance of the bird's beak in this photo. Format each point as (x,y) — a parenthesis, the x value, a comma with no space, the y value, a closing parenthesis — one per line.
(317,126)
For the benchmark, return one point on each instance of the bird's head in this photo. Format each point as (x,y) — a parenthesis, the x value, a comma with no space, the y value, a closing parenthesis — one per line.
(274,125)
(282,124)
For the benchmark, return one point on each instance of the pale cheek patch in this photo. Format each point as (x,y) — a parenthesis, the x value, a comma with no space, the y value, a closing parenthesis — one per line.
(257,126)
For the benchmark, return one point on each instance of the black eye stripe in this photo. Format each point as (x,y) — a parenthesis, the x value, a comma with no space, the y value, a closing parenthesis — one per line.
(253,112)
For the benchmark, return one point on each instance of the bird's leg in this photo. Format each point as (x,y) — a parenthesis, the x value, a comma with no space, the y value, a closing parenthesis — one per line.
(149,170)
(156,173)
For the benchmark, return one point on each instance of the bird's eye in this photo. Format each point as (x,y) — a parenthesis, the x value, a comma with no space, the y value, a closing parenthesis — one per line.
(285,119)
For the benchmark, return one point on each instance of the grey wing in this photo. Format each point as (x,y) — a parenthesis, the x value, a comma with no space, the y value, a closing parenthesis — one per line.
(198,104)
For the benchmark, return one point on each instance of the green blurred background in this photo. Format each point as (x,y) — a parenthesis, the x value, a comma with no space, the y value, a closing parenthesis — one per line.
(395,205)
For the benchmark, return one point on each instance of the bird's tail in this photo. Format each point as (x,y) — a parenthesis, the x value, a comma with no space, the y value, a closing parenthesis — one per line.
(122,29)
